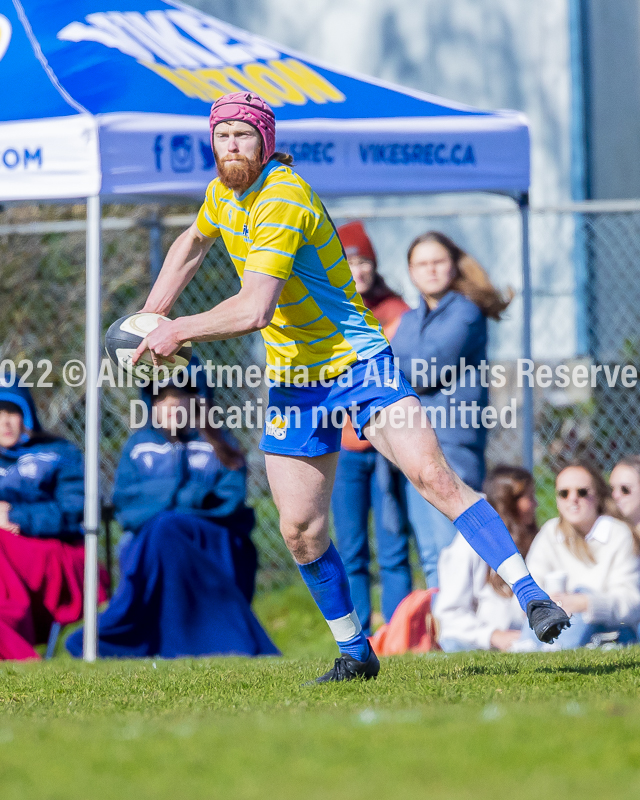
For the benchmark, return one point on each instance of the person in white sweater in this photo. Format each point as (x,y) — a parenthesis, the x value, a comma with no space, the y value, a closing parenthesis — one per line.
(474,608)
(586,559)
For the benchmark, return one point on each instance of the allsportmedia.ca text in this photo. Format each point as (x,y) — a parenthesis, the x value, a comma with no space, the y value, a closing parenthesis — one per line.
(423,374)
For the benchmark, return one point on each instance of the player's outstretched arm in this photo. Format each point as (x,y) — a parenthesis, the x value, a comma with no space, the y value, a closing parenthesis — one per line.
(183,259)
(250,310)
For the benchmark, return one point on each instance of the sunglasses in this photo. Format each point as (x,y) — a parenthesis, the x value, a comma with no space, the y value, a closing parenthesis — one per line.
(564,493)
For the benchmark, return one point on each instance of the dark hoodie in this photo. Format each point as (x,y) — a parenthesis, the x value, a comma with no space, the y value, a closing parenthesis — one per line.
(42,477)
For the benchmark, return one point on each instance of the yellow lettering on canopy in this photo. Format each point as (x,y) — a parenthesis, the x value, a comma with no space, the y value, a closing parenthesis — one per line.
(232,79)
(308,80)
(209,92)
(276,84)
(221,82)
(246,82)
(284,81)
(187,82)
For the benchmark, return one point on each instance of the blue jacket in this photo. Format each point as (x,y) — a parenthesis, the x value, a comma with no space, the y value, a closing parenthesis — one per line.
(156,475)
(42,477)
(454,330)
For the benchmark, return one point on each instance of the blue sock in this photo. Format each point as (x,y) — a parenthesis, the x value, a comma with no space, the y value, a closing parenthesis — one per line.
(526,589)
(327,580)
(482,527)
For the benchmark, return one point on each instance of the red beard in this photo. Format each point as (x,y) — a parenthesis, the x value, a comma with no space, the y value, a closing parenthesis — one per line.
(240,173)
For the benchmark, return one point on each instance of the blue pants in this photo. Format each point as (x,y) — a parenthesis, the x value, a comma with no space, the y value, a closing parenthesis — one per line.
(434,531)
(362,483)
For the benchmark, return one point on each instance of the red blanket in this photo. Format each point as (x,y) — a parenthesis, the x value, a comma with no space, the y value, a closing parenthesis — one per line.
(40,583)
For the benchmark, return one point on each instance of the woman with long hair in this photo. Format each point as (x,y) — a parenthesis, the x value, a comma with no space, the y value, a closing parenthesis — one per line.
(474,607)
(449,326)
(586,559)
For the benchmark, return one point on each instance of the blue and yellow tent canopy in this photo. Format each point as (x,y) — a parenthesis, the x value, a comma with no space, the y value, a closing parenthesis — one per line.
(114,95)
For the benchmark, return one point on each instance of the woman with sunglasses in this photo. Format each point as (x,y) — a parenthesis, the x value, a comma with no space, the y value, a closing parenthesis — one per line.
(625,488)
(586,559)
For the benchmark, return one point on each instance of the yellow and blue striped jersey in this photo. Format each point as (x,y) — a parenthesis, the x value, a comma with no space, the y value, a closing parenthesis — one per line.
(279,227)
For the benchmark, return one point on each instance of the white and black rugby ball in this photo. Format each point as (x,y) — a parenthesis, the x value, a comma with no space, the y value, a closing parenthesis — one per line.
(124,336)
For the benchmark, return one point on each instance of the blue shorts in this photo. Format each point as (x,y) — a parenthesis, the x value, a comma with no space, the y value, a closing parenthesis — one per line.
(308,420)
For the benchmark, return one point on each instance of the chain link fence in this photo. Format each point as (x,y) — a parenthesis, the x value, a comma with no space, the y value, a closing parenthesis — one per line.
(586,315)
(42,296)
(598,420)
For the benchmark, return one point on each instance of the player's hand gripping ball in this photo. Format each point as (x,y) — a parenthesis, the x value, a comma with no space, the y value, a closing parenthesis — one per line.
(124,337)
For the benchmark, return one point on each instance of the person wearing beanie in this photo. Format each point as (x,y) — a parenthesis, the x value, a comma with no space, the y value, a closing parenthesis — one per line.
(41,534)
(365,480)
(187,562)
(386,306)
(322,345)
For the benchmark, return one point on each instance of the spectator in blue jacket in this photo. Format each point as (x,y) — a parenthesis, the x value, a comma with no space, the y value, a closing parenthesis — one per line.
(188,564)
(44,495)
(449,325)
(41,536)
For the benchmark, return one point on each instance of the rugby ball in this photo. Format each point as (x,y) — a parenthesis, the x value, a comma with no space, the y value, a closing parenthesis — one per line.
(123,338)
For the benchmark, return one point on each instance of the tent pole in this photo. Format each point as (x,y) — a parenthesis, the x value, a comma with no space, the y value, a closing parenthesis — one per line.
(527,391)
(92,428)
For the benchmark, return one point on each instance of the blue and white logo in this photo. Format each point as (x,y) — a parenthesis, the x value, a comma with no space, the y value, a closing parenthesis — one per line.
(182,153)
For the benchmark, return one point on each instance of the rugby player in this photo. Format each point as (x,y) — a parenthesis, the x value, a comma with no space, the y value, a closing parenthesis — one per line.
(324,349)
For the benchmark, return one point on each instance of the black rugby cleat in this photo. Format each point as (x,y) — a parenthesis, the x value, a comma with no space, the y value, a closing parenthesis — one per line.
(547,619)
(347,668)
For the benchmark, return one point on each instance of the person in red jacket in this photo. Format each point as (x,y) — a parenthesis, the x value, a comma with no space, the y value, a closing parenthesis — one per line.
(363,478)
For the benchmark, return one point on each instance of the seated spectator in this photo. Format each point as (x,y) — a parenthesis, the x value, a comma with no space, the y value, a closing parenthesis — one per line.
(364,479)
(188,564)
(474,607)
(586,560)
(625,489)
(41,536)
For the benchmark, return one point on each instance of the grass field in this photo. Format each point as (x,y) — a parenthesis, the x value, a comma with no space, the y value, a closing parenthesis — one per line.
(466,726)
